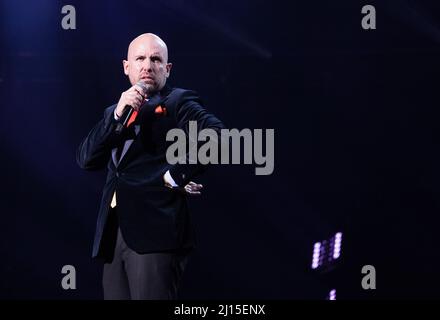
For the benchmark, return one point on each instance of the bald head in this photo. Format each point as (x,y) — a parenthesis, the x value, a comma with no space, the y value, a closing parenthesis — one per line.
(147,60)
(149,38)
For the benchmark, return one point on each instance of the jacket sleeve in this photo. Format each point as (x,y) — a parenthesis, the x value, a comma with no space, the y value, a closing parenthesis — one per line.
(189,108)
(95,150)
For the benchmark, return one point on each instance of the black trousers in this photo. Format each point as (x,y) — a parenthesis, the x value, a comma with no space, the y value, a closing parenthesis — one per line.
(150,276)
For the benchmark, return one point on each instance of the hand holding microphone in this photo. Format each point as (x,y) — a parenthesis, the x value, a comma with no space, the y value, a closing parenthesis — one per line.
(129,103)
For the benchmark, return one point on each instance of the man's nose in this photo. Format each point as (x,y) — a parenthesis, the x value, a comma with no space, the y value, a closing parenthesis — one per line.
(147,64)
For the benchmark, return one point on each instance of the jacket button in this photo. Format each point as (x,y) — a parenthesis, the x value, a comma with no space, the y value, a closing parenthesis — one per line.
(117,174)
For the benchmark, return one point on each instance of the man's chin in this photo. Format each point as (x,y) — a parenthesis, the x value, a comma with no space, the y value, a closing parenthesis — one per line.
(150,85)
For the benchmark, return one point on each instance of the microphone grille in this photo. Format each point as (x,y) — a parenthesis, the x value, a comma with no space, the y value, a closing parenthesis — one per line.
(145,88)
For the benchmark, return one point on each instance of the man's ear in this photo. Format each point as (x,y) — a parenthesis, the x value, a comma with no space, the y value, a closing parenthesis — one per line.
(169,65)
(125,66)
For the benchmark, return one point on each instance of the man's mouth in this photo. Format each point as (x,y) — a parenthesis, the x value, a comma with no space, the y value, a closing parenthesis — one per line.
(147,78)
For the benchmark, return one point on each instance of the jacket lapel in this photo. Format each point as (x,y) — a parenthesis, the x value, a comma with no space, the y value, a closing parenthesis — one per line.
(127,151)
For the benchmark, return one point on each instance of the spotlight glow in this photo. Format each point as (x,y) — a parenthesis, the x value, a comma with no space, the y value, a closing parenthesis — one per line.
(332,295)
(316,255)
(337,245)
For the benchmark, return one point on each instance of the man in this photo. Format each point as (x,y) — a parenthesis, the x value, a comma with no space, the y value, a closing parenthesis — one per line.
(143,232)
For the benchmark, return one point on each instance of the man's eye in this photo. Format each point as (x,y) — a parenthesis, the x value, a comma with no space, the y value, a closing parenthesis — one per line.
(140,58)
(155,59)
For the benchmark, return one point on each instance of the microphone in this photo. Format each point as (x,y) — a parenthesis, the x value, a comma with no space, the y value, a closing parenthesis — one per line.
(129,114)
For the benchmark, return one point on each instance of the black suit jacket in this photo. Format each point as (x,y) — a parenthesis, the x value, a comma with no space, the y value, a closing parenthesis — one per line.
(152,217)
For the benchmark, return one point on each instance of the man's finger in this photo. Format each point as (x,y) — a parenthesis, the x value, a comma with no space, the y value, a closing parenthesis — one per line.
(191,190)
(139,90)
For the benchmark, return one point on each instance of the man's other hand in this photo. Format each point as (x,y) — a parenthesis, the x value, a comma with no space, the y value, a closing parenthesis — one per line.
(193,188)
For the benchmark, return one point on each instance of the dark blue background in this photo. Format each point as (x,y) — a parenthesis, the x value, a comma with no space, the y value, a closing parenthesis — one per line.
(355,115)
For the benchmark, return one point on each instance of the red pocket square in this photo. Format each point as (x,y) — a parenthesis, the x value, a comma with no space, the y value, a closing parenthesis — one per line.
(160,110)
